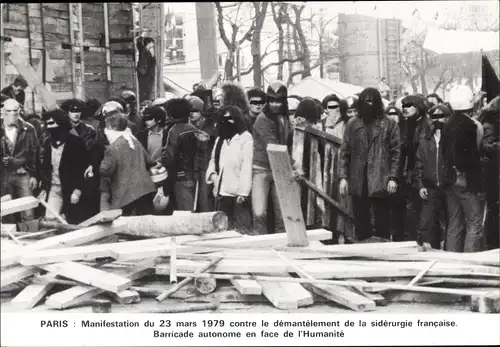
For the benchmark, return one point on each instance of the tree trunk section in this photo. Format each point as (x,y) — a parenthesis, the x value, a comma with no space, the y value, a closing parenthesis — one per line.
(163,226)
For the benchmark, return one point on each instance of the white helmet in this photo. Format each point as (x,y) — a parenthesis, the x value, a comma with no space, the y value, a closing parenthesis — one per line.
(461,98)
(293,104)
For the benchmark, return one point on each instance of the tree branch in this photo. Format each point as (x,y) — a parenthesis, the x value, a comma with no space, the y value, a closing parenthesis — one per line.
(282,61)
(220,22)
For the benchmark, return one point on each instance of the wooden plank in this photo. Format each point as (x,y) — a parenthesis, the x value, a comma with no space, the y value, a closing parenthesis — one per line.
(79,294)
(126,297)
(401,296)
(18,205)
(270,240)
(279,295)
(32,294)
(311,196)
(91,276)
(15,274)
(69,239)
(247,287)
(489,303)
(288,195)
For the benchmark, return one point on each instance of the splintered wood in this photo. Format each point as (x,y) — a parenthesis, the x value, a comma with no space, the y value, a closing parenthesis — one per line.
(288,271)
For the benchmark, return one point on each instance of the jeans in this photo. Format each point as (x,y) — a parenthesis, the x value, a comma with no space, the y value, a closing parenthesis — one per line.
(465,230)
(432,209)
(17,185)
(185,192)
(262,186)
(238,214)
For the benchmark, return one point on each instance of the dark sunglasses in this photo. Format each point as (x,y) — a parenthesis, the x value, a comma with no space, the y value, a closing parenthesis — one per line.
(437,116)
(194,111)
(407,105)
(333,107)
(257,103)
(50,123)
(392,114)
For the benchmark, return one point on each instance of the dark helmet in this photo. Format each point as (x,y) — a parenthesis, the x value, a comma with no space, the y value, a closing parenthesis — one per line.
(128,96)
(73,105)
(157,113)
(277,90)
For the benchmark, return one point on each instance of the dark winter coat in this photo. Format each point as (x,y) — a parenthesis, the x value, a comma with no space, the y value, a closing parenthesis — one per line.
(378,160)
(74,161)
(459,150)
(24,151)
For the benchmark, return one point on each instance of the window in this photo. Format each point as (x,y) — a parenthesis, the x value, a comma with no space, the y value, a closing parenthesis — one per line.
(175,39)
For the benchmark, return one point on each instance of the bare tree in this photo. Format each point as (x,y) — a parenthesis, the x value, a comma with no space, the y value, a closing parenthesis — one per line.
(225,20)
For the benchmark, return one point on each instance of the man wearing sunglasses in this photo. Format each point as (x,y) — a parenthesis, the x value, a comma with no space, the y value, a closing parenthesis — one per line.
(331,103)
(257,100)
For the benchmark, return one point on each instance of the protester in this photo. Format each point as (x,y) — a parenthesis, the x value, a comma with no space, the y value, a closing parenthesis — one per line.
(206,128)
(491,148)
(154,135)
(62,168)
(16,90)
(434,99)
(273,126)
(293,103)
(131,102)
(414,123)
(369,163)
(462,175)
(257,100)
(230,169)
(126,164)
(428,174)
(233,94)
(146,67)
(19,155)
(179,156)
(332,107)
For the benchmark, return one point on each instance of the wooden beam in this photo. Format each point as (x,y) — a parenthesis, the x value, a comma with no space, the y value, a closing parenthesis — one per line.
(32,294)
(288,191)
(247,287)
(16,273)
(89,275)
(18,205)
(270,240)
(72,42)
(342,295)
(80,294)
(285,296)
(126,297)
(490,303)
(73,238)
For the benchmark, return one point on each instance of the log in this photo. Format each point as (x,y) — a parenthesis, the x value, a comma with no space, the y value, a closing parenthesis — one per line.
(162,226)
(288,191)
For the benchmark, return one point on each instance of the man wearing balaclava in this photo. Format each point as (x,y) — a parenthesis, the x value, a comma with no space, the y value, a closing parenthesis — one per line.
(271,126)
(429,178)
(369,162)
(63,164)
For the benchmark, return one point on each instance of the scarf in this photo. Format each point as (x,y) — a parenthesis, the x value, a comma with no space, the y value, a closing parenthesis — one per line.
(113,135)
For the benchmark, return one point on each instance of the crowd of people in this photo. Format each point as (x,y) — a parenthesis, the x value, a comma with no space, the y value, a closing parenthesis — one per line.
(421,155)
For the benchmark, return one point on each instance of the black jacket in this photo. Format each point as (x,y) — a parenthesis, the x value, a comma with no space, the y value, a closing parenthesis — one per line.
(74,161)
(24,151)
(459,152)
(21,97)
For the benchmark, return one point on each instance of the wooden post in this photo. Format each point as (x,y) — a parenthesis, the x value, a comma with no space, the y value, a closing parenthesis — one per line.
(161,50)
(2,51)
(311,198)
(82,60)
(288,195)
(106,43)
(72,42)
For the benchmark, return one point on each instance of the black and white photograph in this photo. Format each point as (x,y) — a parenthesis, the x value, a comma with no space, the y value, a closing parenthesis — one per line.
(272,160)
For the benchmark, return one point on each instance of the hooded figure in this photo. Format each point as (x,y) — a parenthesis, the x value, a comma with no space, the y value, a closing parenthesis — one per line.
(63,161)
(272,126)
(232,157)
(369,163)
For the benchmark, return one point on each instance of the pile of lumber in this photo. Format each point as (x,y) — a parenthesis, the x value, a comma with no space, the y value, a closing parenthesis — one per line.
(193,258)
